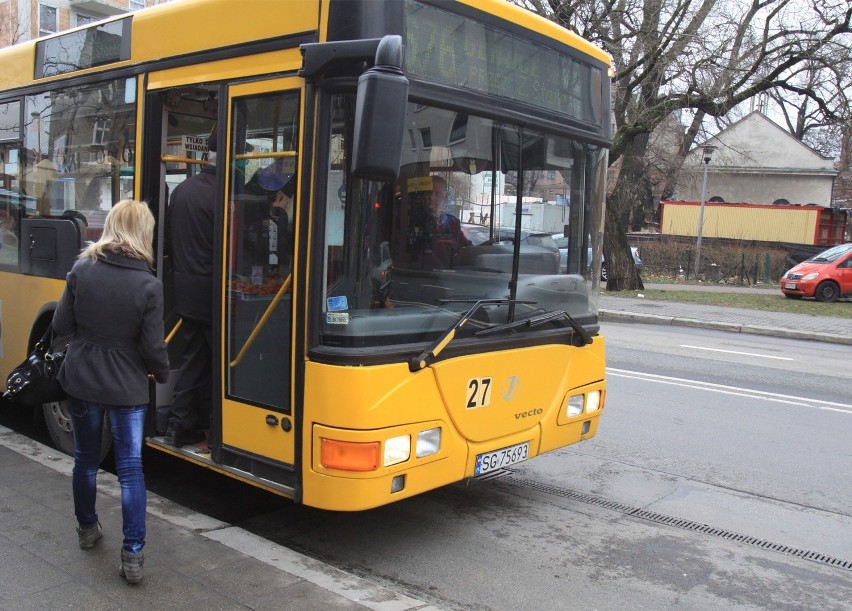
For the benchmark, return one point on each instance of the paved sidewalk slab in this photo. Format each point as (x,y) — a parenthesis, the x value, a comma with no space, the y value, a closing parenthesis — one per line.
(192,561)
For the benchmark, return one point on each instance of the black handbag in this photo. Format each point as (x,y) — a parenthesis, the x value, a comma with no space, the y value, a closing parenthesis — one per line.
(34,381)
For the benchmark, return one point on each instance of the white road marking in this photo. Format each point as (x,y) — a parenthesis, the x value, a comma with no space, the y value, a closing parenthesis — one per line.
(733,390)
(763,356)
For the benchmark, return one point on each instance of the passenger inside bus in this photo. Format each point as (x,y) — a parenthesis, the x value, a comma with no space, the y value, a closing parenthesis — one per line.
(190,216)
(276,190)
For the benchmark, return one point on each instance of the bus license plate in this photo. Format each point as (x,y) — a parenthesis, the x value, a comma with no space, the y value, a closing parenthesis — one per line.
(501,458)
(790,285)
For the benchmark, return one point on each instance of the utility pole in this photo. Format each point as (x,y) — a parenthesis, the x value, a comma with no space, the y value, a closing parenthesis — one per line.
(706,156)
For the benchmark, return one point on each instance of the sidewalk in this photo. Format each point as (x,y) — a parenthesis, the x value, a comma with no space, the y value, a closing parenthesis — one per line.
(738,320)
(192,561)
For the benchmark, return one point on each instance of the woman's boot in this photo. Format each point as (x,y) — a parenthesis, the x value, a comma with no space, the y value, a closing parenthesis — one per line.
(131,566)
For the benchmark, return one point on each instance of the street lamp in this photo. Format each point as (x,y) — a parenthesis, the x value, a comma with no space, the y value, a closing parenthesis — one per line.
(706,155)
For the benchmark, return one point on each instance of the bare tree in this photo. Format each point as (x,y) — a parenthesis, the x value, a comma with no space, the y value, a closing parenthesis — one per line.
(11,29)
(804,118)
(701,58)
(531,180)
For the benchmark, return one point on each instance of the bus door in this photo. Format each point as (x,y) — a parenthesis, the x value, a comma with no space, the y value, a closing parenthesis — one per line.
(258,429)
(179,121)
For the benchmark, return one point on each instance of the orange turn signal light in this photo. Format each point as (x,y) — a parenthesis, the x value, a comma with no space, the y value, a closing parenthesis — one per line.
(349,455)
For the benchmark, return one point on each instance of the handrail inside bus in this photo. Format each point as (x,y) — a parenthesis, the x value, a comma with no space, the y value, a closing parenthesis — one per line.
(173,159)
(174,330)
(262,322)
(267,155)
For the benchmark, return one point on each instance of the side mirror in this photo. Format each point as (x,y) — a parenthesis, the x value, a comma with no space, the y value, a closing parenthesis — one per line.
(380,109)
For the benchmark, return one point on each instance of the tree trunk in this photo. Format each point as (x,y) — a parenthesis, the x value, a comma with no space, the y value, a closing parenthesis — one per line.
(631,187)
(621,271)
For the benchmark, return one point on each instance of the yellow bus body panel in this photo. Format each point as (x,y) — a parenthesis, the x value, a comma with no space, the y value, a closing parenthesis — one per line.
(23,299)
(236,68)
(177,28)
(373,404)
(17,66)
(246,427)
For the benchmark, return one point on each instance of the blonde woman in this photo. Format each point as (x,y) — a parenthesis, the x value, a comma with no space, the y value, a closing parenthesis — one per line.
(113,309)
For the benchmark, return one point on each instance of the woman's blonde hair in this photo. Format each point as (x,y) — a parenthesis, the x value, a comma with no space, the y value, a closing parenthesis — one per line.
(128,231)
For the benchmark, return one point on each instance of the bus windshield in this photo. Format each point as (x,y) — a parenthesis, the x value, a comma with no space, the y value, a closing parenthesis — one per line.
(472,216)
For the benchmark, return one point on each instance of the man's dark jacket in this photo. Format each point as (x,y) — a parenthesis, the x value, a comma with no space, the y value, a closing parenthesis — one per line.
(190,240)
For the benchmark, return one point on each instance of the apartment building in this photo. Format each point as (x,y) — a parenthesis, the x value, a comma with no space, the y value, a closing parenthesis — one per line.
(22,20)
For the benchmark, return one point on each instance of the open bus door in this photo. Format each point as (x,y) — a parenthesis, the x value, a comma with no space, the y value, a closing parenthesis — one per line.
(178,121)
(251,428)
(258,433)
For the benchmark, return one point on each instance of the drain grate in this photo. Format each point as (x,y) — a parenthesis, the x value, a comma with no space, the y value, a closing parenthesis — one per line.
(661,518)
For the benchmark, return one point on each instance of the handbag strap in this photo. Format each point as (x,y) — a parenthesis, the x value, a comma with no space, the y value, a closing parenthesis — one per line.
(46,342)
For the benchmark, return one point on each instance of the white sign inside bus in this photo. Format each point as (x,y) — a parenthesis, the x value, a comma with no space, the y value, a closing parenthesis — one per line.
(194,144)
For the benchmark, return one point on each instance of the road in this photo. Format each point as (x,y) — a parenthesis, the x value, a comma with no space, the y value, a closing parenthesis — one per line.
(775,413)
(721,477)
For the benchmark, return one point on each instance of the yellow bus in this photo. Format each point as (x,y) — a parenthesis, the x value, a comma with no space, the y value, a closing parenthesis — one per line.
(411,322)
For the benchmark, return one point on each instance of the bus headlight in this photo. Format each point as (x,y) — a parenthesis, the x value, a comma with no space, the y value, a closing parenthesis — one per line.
(575,405)
(578,404)
(593,401)
(428,442)
(397,450)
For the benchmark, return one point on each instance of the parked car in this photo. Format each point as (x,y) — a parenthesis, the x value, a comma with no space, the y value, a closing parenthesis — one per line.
(824,277)
(538,252)
(634,250)
(562,244)
(479,234)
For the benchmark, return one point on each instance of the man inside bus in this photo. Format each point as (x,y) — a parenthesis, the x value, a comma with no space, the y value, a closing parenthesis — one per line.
(278,188)
(190,227)
(438,234)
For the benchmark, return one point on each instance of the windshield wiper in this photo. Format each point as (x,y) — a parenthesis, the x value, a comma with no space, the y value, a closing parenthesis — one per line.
(585,337)
(425,358)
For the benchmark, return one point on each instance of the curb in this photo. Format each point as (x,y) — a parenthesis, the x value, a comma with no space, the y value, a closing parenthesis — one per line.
(674,321)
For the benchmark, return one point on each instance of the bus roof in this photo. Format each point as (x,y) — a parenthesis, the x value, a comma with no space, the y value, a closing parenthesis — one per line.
(527,19)
(183,27)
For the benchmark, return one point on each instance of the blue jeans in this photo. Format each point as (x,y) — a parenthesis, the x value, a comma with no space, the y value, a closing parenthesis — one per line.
(127,424)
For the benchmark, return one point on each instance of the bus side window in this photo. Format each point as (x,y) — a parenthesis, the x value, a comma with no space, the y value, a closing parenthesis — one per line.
(11,207)
(76,157)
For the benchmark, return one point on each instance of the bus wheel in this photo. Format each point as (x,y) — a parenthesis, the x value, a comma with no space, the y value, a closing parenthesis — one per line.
(58,422)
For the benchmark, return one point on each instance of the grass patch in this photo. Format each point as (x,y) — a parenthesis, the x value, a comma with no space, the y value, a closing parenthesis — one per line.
(771,302)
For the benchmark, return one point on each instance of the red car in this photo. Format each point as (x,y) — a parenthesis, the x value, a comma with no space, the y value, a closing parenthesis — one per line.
(824,277)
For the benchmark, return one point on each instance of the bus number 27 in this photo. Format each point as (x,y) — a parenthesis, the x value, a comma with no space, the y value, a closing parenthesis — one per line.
(478,392)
